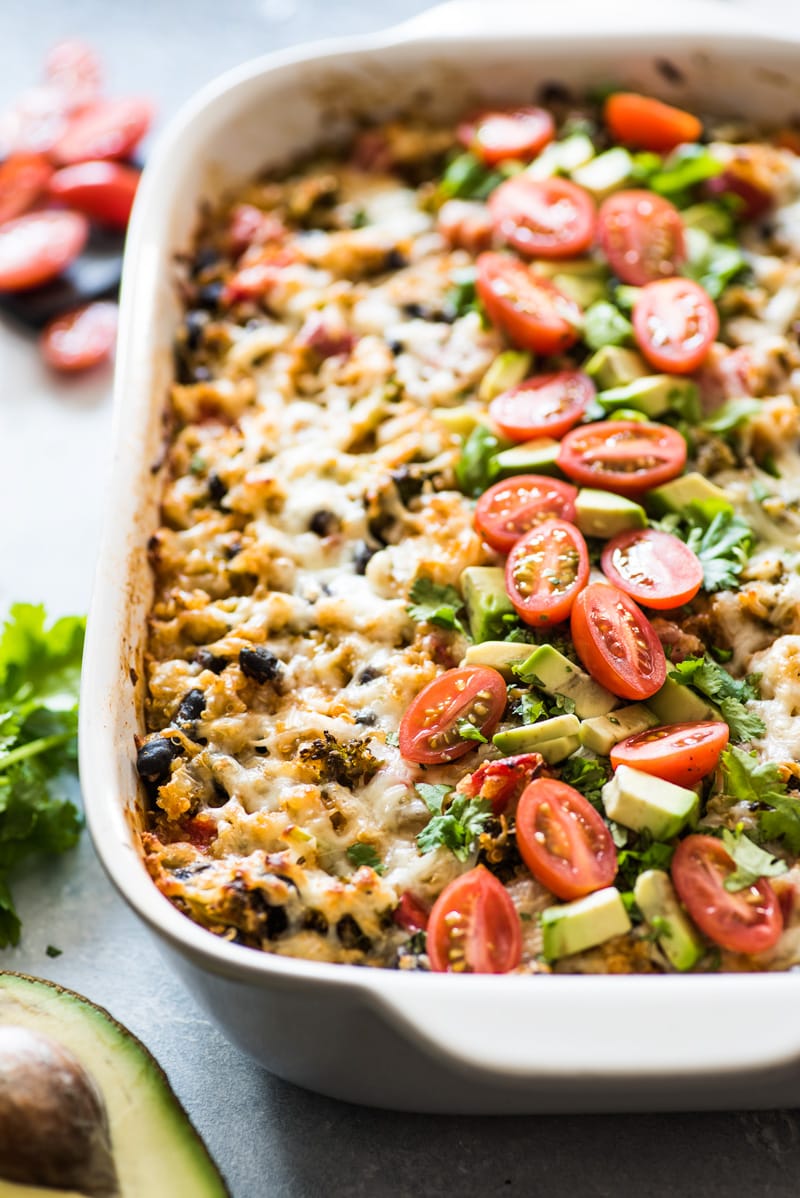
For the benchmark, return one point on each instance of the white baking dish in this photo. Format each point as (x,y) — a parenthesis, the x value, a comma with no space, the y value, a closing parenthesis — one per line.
(426,1042)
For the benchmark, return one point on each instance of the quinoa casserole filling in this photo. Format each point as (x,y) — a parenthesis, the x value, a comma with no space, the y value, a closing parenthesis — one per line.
(475,641)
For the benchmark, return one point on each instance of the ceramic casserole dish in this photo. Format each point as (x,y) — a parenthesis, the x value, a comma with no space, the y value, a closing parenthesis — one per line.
(411,1040)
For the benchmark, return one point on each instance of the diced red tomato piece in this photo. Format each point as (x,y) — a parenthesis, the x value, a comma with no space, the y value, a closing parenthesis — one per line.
(80,339)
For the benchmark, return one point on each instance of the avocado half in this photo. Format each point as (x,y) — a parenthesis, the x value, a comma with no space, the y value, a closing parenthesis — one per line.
(85,1110)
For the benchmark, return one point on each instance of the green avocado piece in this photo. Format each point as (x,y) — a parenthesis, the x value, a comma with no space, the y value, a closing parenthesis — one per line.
(554,673)
(606,173)
(614,365)
(558,156)
(653,395)
(628,414)
(530,457)
(572,927)
(460,421)
(656,899)
(506,371)
(486,601)
(675,703)
(601,733)
(645,803)
(585,290)
(559,748)
(92,1112)
(500,655)
(711,218)
(529,737)
(579,268)
(603,514)
(678,495)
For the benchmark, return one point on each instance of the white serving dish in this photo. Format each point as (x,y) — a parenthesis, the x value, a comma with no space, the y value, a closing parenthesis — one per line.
(423,1042)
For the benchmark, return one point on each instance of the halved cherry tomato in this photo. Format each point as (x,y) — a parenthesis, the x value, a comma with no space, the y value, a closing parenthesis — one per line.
(511,508)
(501,781)
(547,405)
(617,643)
(430,730)
(474,926)
(679,753)
(649,124)
(754,200)
(641,235)
(23,178)
(675,323)
(545,571)
(742,921)
(81,339)
(495,136)
(74,70)
(626,456)
(543,218)
(653,567)
(530,309)
(410,913)
(109,129)
(103,191)
(257,280)
(563,841)
(37,247)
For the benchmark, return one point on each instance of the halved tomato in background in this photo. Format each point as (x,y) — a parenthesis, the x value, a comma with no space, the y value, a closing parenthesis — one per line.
(675,323)
(430,730)
(474,926)
(103,191)
(649,124)
(545,571)
(653,567)
(617,643)
(742,921)
(80,339)
(679,753)
(36,247)
(641,235)
(531,310)
(543,218)
(23,178)
(107,129)
(511,508)
(497,136)
(563,841)
(626,456)
(547,405)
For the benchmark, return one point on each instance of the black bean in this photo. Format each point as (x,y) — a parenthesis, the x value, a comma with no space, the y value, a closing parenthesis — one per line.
(361,557)
(350,934)
(210,661)
(367,718)
(194,323)
(369,674)
(273,920)
(192,706)
(209,295)
(260,664)
(407,483)
(315,921)
(206,256)
(323,523)
(154,759)
(216,487)
(220,796)
(421,311)
(396,260)
(396,347)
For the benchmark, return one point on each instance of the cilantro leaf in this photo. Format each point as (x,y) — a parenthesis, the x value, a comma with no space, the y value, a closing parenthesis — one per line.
(723,548)
(457,828)
(433,795)
(528,708)
(730,693)
(468,731)
(462,297)
(752,862)
(688,165)
(744,725)
(712,263)
(364,854)
(436,604)
(587,775)
(474,466)
(749,780)
(466,178)
(632,862)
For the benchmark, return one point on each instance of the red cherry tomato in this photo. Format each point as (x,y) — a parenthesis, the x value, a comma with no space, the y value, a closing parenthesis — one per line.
(474,926)
(653,567)
(109,129)
(641,235)
(649,124)
(430,730)
(675,323)
(545,571)
(742,921)
(496,136)
(103,191)
(74,70)
(23,178)
(679,753)
(37,247)
(563,841)
(530,310)
(511,508)
(543,218)
(410,913)
(80,339)
(34,122)
(617,643)
(626,456)
(500,781)
(547,405)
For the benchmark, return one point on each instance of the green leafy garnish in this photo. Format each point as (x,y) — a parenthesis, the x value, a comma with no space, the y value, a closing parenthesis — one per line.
(39,681)
(732,415)
(434,604)
(587,775)
(458,826)
(528,708)
(713,264)
(688,165)
(468,179)
(364,854)
(723,547)
(749,780)
(605,325)
(729,693)
(468,731)
(632,862)
(462,297)
(473,472)
(752,862)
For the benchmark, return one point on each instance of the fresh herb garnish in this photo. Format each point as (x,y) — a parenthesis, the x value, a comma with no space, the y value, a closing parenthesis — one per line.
(729,693)
(528,708)
(434,604)
(732,415)
(468,731)
(457,827)
(713,264)
(465,178)
(603,324)
(721,540)
(632,862)
(473,467)
(752,862)
(587,775)
(749,780)
(364,854)
(687,166)
(462,297)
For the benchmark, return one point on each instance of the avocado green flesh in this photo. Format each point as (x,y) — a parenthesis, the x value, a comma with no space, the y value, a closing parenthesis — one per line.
(586,922)
(676,496)
(531,457)
(157,1151)
(679,704)
(657,900)
(602,514)
(614,366)
(486,600)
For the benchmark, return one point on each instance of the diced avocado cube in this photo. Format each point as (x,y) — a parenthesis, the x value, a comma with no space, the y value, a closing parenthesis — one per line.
(603,324)
(628,414)
(554,673)
(654,395)
(558,749)
(528,738)
(605,173)
(603,514)
(584,290)
(486,601)
(613,366)
(675,703)
(560,156)
(531,457)
(645,803)
(500,655)
(711,218)
(506,371)
(459,421)
(579,268)
(601,733)
(678,495)
(656,899)
(573,927)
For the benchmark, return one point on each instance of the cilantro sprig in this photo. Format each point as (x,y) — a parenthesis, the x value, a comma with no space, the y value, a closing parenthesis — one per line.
(456,826)
(729,693)
(751,861)
(361,853)
(723,547)
(588,775)
(434,604)
(749,780)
